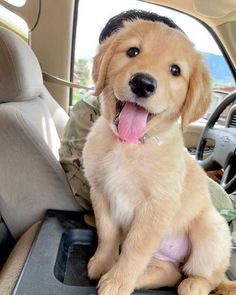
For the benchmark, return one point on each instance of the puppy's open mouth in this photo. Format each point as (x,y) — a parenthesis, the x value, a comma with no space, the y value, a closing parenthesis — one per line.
(131,121)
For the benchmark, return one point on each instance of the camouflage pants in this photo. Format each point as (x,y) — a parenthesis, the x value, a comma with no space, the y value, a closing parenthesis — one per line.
(82,117)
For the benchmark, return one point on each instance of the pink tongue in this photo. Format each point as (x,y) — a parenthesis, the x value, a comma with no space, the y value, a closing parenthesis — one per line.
(132,122)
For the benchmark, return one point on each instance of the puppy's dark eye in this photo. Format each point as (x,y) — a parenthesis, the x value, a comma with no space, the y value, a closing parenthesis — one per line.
(175,70)
(133,51)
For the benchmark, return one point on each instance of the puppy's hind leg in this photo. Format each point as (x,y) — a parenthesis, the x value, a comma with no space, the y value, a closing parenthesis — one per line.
(209,257)
(159,274)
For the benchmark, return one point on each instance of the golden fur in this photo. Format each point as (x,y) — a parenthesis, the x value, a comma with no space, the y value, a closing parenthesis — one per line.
(143,193)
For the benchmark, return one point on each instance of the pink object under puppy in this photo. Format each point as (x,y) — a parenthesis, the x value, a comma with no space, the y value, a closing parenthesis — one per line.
(174,250)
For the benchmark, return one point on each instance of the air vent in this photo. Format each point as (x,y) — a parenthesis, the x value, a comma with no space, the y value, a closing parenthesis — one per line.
(232,121)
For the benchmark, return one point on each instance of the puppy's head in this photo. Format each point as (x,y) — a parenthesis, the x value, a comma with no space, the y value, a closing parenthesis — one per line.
(149,74)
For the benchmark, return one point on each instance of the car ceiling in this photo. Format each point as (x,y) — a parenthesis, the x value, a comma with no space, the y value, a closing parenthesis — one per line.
(212,12)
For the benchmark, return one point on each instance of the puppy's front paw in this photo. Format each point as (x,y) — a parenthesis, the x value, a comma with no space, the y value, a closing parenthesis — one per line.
(114,283)
(98,266)
(194,286)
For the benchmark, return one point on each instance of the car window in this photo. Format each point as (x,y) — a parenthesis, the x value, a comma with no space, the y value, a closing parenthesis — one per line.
(91,19)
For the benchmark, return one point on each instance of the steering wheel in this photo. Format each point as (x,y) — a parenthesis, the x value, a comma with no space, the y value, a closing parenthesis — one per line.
(225,146)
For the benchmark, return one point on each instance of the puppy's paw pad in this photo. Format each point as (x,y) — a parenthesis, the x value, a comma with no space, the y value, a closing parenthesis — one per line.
(192,286)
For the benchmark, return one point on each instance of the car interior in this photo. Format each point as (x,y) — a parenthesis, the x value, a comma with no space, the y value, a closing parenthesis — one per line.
(42,75)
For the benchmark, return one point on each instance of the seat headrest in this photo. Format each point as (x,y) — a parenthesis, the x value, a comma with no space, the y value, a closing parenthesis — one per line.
(20,72)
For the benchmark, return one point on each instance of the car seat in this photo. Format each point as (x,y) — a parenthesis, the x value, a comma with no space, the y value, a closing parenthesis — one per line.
(31,123)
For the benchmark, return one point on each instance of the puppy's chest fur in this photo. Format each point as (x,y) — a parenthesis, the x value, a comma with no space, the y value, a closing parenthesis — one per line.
(124,185)
(125,174)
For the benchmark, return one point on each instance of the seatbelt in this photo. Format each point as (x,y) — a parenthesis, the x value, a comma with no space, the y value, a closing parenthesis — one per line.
(53,79)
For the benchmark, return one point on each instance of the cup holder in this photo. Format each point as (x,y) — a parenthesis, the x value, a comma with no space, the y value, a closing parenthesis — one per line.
(75,249)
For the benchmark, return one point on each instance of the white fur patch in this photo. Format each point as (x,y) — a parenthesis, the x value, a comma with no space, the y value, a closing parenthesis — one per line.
(121,210)
(119,183)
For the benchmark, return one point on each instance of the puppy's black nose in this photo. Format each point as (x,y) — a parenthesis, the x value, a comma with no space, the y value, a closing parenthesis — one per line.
(142,85)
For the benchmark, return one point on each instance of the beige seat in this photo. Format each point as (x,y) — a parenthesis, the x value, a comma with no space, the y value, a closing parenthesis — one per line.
(15,262)
(31,178)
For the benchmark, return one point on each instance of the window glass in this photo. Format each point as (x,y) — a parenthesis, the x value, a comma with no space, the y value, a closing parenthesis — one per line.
(91,20)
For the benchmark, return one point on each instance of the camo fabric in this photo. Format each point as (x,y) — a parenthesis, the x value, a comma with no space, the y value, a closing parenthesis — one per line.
(221,200)
(83,115)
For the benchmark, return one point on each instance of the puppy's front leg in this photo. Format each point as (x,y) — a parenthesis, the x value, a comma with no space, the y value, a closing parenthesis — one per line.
(108,238)
(150,223)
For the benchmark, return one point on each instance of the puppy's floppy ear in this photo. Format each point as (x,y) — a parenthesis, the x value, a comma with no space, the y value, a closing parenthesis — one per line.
(101,63)
(198,96)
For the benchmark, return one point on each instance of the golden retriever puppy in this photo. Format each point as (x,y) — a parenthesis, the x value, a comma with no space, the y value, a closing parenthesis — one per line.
(148,195)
